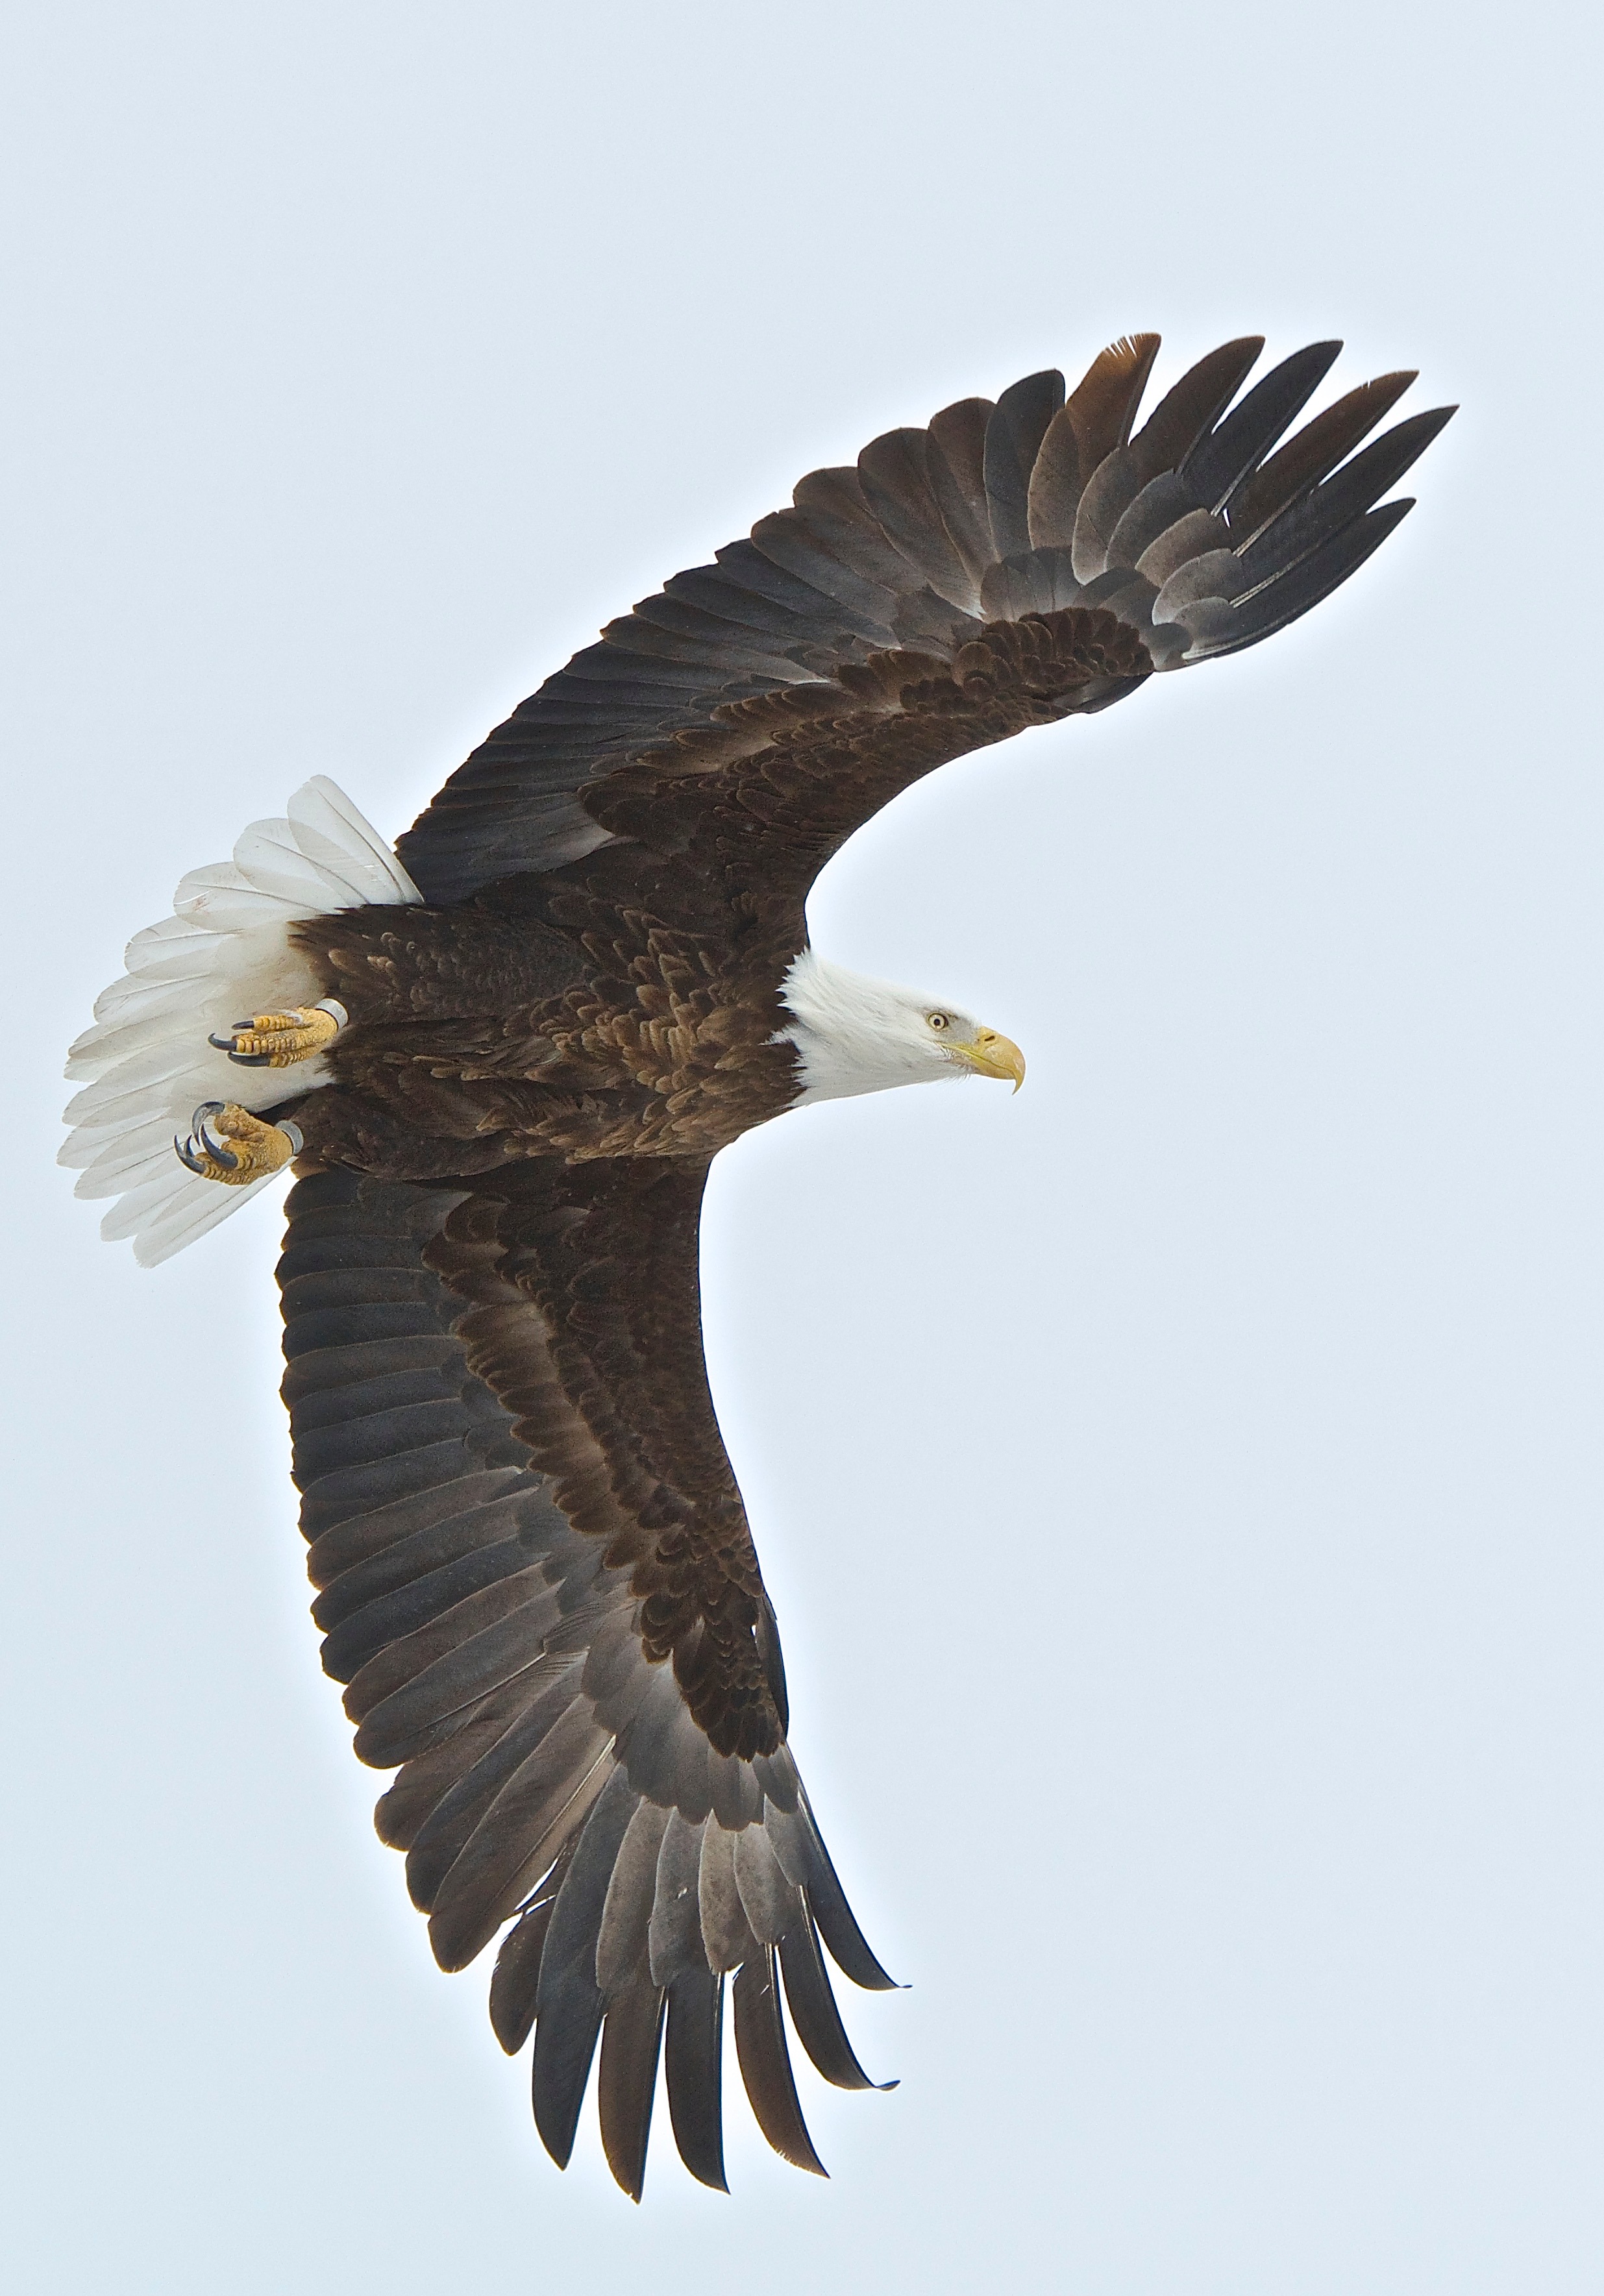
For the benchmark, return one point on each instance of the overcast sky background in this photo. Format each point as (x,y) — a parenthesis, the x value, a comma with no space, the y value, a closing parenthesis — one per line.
(1179,1486)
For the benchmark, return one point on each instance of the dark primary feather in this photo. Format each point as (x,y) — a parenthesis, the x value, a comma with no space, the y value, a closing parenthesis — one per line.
(814,2011)
(1189,409)
(1014,431)
(1239,443)
(1104,404)
(515,1981)
(1313,578)
(957,473)
(631,2039)
(1315,450)
(622,1944)
(765,2064)
(569,2004)
(692,2059)
(1329,510)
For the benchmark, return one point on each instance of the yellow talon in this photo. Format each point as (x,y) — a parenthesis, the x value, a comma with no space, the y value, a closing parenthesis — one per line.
(277,1040)
(230,1146)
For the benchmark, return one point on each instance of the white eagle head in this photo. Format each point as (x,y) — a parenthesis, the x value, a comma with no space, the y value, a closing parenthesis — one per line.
(855,1035)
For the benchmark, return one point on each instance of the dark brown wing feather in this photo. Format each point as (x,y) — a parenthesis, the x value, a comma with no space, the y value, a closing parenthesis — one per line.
(941,539)
(537,1582)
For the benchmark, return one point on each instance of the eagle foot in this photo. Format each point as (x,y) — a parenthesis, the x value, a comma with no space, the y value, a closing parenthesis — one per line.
(277,1040)
(228,1144)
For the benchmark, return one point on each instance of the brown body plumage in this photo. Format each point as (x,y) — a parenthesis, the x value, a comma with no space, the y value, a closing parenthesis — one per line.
(626,1004)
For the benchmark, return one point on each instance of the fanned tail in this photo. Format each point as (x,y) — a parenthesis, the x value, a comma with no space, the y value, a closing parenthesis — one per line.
(224,952)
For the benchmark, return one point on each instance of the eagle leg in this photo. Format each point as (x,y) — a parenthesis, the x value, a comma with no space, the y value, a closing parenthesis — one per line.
(277,1040)
(228,1144)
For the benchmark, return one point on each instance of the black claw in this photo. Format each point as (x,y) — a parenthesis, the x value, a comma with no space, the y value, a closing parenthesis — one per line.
(212,1147)
(250,1059)
(186,1156)
(223,1044)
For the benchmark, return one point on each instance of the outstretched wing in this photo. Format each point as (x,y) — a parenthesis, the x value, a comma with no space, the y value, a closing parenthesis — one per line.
(538,1584)
(1008,564)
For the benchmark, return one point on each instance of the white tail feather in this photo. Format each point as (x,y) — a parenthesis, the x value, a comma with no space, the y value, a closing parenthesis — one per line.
(223,954)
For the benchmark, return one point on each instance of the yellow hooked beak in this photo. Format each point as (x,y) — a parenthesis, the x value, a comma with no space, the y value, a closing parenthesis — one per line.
(989,1054)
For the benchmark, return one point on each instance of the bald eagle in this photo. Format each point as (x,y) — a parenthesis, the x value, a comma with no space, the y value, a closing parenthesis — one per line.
(501,1060)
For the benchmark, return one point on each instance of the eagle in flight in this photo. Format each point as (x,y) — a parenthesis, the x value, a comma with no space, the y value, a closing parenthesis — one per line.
(501,1060)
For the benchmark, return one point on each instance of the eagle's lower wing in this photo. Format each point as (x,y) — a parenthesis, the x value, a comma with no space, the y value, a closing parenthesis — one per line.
(1198,535)
(538,1581)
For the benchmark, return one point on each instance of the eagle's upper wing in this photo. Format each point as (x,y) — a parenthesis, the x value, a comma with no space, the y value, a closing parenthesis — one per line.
(538,1581)
(1010,564)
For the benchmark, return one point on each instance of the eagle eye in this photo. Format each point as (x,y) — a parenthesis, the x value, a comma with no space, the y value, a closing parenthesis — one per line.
(938,1019)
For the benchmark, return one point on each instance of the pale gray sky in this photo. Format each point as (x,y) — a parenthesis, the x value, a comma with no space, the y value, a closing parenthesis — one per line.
(1179,1485)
